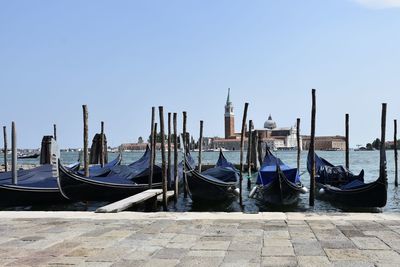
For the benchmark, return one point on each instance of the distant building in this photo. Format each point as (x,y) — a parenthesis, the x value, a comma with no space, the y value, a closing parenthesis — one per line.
(276,138)
(326,142)
(229,118)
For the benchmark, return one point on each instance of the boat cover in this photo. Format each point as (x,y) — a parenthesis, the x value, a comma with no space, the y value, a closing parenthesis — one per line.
(268,171)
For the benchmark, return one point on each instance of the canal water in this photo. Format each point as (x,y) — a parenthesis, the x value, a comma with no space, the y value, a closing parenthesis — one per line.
(367,160)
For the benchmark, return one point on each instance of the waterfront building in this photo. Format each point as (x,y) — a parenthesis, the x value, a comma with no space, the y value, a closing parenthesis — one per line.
(328,143)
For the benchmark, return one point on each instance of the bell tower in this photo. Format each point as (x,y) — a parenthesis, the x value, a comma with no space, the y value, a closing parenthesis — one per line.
(229,118)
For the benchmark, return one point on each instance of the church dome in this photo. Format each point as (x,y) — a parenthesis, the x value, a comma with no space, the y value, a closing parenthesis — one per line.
(270,124)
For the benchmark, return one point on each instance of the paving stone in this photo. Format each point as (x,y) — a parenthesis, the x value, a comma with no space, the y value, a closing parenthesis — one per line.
(245,246)
(170,253)
(308,249)
(353,264)
(211,245)
(277,251)
(369,243)
(200,261)
(243,257)
(279,261)
(206,253)
(313,261)
(337,244)
(345,254)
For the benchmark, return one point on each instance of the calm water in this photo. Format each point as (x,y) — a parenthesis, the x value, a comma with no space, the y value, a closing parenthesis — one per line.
(367,160)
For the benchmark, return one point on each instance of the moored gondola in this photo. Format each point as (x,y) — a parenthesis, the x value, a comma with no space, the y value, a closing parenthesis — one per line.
(277,183)
(340,186)
(34,186)
(215,184)
(121,182)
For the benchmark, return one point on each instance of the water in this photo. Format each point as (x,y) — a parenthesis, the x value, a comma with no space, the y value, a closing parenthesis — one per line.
(367,160)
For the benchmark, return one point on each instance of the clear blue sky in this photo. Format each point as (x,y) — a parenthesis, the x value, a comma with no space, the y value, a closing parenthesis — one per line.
(123,57)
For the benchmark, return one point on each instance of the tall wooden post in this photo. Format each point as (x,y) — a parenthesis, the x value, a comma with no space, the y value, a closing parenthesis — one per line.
(396,163)
(169,152)
(55,131)
(298,144)
(164,166)
(176,187)
(249,153)
(312,150)
(103,150)
(246,106)
(200,144)
(152,141)
(184,155)
(85,141)
(5,148)
(14,154)
(347,142)
(382,155)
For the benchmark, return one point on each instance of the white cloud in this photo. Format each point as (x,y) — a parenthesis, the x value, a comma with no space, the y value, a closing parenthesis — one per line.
(379,4)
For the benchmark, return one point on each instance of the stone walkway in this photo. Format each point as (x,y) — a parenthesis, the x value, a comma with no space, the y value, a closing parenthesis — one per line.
(198,239)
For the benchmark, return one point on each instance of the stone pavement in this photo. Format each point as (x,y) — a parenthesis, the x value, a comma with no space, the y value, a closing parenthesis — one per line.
(198,239)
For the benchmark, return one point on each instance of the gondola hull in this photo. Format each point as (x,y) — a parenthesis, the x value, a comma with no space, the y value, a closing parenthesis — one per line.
(368,196)
(78,188)
(201,189)
(279,193)
(14,195)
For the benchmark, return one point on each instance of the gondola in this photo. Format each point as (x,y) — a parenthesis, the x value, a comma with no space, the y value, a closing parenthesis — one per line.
(338,185)
(34,186)
(215,184)
(277,183)
(28,156)
(121,182)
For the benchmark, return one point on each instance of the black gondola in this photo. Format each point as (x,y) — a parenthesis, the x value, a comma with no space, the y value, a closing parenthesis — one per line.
(34,186)
(28,156)
(121,182)
(215,184)
(97,170)
(277,183)
(339,185)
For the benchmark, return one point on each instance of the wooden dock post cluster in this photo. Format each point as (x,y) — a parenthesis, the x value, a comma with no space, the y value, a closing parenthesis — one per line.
(246,106)
(200,144)
(184,155)
(298,144)
(164,166)
(176,182)
(14,154)
(85,141)
(347,153)
(382,158)
(153,134)
(55,131)
(312,150)
(396,166)
(5,148)
(249,153)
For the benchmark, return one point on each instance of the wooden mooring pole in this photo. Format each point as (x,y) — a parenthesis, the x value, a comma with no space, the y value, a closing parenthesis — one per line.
(103,149)
(169,152)
(163,160)
(396,163)
(246,106)
(382,155)
(200,144)
(312,150)
(152,141)
(298,144)
(55,131)
(5,148)
(347,142)
(249,153)
(14,154)
(176,187)
(184,155)
(85,141)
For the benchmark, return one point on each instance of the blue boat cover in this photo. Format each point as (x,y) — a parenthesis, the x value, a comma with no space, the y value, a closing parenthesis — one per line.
(97,170)
(268,171)
(223,171)
(339,176)
(44,176)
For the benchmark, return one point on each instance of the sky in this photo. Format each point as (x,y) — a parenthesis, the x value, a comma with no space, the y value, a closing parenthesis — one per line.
(123,57)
